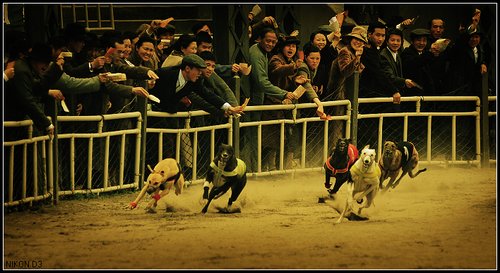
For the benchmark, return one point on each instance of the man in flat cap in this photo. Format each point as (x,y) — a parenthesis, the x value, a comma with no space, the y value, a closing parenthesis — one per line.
(176,87)
(177,82)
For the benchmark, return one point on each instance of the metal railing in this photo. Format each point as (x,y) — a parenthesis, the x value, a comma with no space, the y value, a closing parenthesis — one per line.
(89,155)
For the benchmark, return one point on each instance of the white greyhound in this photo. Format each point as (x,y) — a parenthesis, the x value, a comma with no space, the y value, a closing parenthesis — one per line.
(365,175)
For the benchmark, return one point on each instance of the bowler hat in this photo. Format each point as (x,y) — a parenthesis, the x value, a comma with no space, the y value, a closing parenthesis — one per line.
(419,32)
(359,33)
(193,60)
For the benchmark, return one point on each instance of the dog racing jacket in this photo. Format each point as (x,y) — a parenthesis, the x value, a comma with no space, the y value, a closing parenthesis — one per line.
(239,171)
(353,155)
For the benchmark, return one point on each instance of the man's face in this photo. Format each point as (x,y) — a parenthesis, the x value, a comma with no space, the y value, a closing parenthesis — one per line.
(120,50)
(203,46)
(437,28)
(377,36)
(420,43)
(207,72)
(474,40)
(192,74)
(145,51)
(394,42)
(268,42)
(76,46)
(40,67)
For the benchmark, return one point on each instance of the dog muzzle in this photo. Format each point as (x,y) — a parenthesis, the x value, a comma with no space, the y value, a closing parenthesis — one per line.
(367,162)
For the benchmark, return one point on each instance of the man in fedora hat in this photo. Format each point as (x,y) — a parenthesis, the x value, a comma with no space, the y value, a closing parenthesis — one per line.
(416,62)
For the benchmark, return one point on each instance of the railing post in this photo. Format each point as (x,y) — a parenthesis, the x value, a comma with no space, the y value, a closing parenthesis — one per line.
(236,136)
(236,120)
(485,129)
(353,94)
(55,154)
(143,108)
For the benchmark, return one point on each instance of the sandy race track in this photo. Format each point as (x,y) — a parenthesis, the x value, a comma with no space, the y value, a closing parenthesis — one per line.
(444,218)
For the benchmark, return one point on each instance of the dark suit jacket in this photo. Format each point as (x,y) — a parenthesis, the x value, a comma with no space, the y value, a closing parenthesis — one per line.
(23,96)
(392,69)
(372,81)
(465,74)
(417,68)
(170,100)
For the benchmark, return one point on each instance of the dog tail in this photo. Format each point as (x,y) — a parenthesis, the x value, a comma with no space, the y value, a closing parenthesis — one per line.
(410,173)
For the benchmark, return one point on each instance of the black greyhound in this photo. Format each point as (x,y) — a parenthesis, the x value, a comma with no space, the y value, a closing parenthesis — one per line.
(226,171)
(339,162)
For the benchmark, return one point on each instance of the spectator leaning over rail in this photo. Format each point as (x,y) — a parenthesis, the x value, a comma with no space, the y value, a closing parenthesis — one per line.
(283,67)
(343,67)
(260,86)
(441,64)
(24,92)
(177,82)
(373,82)
(392,64)
(416,63)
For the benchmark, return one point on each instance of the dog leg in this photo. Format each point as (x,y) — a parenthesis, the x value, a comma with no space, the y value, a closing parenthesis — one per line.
(216,191)
(236,188)
(410,173)
(389,184)
(327,180)
(383,177)
(348,204)
(179,185)
(371,193)
(399,179)
(156,196)
(134,203)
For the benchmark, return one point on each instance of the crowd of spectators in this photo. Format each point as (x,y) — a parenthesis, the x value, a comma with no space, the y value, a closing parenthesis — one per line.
(182,70)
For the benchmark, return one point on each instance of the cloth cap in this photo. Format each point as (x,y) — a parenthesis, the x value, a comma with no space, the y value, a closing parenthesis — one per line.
(419,32)
(359,33)
(193,60)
